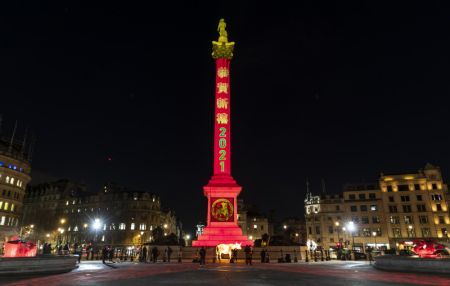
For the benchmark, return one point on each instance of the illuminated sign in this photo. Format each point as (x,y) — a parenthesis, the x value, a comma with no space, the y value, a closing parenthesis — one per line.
(222,209)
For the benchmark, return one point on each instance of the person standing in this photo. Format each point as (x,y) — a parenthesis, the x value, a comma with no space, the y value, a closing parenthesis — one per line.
(144,254)
(248,255)
(169,253)
(154,254)
(202,256)
(263,255)
(104,254)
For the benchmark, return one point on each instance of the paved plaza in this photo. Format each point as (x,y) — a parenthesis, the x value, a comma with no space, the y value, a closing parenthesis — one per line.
(317,273)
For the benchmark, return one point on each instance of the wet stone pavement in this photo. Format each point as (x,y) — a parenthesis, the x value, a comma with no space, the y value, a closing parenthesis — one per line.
(311,274)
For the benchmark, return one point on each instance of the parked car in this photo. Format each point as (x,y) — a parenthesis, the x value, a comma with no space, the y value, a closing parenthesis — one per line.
(360,255)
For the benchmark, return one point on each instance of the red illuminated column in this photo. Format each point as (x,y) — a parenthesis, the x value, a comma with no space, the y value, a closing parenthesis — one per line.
(222,131)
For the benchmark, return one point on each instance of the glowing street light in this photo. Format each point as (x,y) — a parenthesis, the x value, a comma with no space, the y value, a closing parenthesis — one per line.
(62,221)
(352,227)
(285,226)
(374,234)
(165,225)
(97,224)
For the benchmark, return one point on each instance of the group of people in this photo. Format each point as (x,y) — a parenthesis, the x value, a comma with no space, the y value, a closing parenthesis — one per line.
(265,258)
(154,253)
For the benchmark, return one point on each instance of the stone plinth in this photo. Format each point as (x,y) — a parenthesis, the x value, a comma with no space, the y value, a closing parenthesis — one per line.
(412,264)
(43,264)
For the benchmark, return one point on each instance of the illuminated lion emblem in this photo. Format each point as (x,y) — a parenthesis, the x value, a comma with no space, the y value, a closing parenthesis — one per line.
(222,210)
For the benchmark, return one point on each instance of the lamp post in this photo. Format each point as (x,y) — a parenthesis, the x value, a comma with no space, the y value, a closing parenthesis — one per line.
(187,237)
(352,227)
(96,225)
(375,238)
(337,230)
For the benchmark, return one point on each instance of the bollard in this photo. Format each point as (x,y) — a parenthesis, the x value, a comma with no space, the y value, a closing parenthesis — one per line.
(315,256)
(321,255)
(306,256)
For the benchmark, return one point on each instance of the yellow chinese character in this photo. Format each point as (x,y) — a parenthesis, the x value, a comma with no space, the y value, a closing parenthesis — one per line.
(222,72)
(222,87)
(222,118)
(222,103)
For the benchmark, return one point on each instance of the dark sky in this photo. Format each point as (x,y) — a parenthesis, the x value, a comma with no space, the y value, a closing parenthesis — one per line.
(319,90)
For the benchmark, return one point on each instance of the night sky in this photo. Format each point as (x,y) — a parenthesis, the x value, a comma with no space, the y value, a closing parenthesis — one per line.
(319,90)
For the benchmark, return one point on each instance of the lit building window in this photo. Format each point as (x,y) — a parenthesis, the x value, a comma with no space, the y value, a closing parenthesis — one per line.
(142,226)
(7,179)
(1,204)
(104,227)
(132,226)
(75,228)
(2,221)
(6,206)
(67,203)
(255,226)
(103,237)
(122,226)
(12,181)
(12,207)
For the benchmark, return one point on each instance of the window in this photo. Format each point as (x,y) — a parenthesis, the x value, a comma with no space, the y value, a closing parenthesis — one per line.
(419,197)
(353,208)
(406,208)
(373,207)
(366,232)
(330,229)
(375,219)
(317,230)
(392,209)
(365,220)
(389,189)
(423,219)
(421,208)
(438,207)
(396,232)
(372,196)
(142,226)
(434,186)
(394,219)
(7,179)
(409,219)
(2,221)
(391,199)
(441,219)
(378,231)
(404,198)
(355,219)
(436,197)
(329,218)
(12,207)
(1,205)
(426,232)
(255,226)
(352,197)
(122,226)
(362,196)
(417,187)
(338,208)
(132,226)
(363,208)
(444,232)
(6,206)
(309,230)
(403,188)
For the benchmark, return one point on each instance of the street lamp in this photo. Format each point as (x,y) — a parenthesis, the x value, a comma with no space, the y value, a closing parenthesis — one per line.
(187,237)
(352,227)
(337,229)
(96,225)
(375,238)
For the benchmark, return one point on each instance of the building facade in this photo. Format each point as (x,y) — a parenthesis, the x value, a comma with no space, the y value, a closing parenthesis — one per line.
(252,223)
(63,212)
(15,168)
(392,213)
